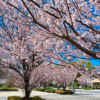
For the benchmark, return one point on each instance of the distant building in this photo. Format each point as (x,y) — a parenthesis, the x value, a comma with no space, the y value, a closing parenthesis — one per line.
(95,83)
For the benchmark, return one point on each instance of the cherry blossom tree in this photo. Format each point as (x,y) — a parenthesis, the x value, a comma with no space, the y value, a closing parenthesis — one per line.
(84,80)
(96,73)
(24,65)
(58,25)
(68,20)
(20,52)
(66,75)
(65,27)
(62,75)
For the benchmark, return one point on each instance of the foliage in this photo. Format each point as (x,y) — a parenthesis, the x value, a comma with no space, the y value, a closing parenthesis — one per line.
(86,64)
(37,98)
(50,90)
(53,90)
(76,85)
(64,92)
(19,98)
(40,89)
(88,88)
(5,88)
(14,98)
(78,75)
(89,66)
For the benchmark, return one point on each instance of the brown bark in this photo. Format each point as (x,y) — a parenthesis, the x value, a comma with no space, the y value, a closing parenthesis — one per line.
(27,89)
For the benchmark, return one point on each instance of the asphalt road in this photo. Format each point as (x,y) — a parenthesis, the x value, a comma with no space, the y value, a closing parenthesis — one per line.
(80,95)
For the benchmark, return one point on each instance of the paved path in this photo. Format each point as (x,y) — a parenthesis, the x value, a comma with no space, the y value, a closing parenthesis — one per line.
(80,95)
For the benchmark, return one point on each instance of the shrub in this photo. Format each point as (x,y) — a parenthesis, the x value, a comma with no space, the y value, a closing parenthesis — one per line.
(4,88)
(19,98)
(76,85)
(68,92)
(59,91)
(50,90)
(37,98)
(64,92)
(40,89)
(88,88)
(14,98)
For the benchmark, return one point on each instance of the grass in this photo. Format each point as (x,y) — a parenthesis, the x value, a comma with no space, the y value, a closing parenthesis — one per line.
(20,98)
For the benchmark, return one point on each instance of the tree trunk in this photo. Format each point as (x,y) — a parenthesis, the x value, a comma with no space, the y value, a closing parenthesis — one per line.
(64,86)
(27,91)
(73,89)
(27,95)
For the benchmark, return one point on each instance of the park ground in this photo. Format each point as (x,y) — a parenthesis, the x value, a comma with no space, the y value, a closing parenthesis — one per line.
(79,95)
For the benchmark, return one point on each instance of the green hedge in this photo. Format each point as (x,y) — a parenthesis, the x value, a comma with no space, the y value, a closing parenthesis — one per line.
(88,88)
(52,90)
(8,89)
(40,89)
(19,98)
(5,88)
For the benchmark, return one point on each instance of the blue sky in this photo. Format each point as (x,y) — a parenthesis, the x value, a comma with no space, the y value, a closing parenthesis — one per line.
(95,62)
